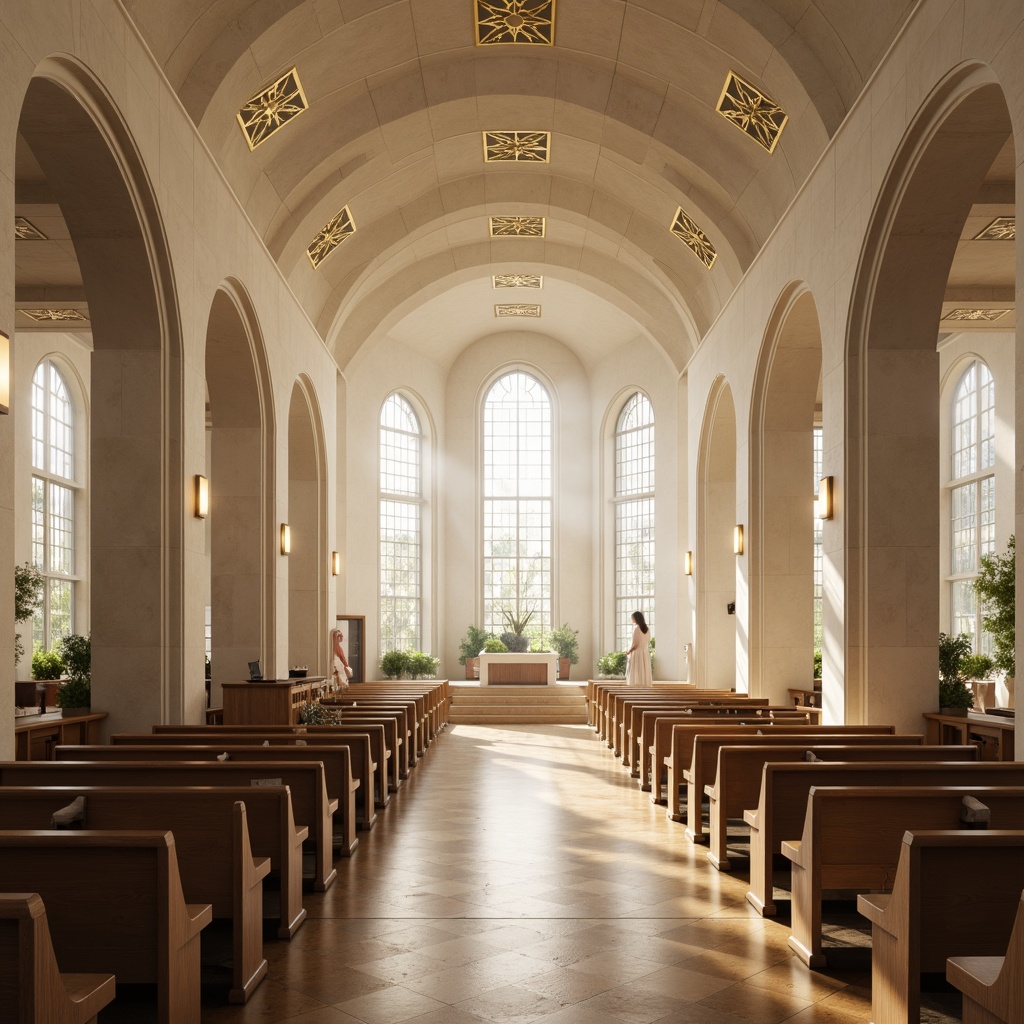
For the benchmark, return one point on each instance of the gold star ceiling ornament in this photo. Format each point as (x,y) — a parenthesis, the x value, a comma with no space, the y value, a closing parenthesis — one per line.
(517,227)
(530,22)
(521,147)
(270,110)
(1002,229)
(685,228)
(330,236)
(754,113)
(517,309)
(517,281)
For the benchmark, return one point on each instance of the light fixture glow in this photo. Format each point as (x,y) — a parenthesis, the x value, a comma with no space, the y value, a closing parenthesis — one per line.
(286,539)
(737,540)
(5,374)
(687,563)
(335,563)
(823,503)
(200,496)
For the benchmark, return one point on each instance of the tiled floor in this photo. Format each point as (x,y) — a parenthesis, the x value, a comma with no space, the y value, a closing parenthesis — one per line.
(521,876)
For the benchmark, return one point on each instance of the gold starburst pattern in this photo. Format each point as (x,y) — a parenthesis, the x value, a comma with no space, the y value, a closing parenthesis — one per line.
(25,230)
(43,315)
(524,147)
(530,22)
(517,309)
(975,314)
(686,229)
(330,236)
(517,227)
(518,281)
(269,111)
(754,113)
(1002,229)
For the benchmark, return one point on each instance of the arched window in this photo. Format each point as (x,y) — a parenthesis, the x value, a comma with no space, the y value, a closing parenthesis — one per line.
(634,517)
(54,497)
(401,576)
(972,495)
(517,492)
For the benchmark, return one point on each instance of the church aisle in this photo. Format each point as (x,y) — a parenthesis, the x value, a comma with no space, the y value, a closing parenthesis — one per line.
(520,876)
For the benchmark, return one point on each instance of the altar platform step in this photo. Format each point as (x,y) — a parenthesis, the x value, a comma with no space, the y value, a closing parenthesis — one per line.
(562,704)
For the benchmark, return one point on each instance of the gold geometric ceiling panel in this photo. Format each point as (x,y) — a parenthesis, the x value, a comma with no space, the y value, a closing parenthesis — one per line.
(529,22)
(25,230)
(330,236)
(1002,229)
(517,281)
(517,227)
(270,110)
(517,309)
(754,113)
(976,314)
(523,147)
(46,315)
(686,229)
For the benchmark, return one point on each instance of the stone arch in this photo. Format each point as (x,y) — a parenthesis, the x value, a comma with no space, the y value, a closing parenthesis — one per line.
(308,566)
(241,459)
(97,176)
(780,563)
(717,636)
(891,506)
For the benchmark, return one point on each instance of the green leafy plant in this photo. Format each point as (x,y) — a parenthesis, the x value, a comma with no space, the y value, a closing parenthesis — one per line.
(995,586)
(955,694)
(817,664)
(75,693)
(516,642)
(394,664)
(76,653)
(472,643)
(492,645)
(423,666)
(47,665)
(564,643)
(952,651)
(612,665)
(651,652)
(312,712)
(977,666)
(516,620)
(28,593)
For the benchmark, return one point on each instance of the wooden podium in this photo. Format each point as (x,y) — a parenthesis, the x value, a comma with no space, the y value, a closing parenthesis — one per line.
(271,701)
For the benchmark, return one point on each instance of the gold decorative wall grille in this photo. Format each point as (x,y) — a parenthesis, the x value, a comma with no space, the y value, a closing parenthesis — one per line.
(25,230)
(754,113)
(524,147)
(44,315)
(1002,229)
(517,309)
(529,22)
(975,314)
(517,227)
(330,236)
(270,110)
(518,281)
(685,228)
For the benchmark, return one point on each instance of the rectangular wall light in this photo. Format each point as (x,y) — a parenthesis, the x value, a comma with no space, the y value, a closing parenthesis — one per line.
(737,540)
(335,563)
(286,539)
(823,503)
(5,374)
(200,496)
(687,563)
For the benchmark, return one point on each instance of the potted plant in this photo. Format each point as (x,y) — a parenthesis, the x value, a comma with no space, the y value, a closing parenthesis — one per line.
(492,645)
(28,592)
(75,696)
(422,665)
(47,665)
(995,586)
(515,638)
(612,665)
(955,697)
(564,643)
(975,669)
(394,664)
(470,647)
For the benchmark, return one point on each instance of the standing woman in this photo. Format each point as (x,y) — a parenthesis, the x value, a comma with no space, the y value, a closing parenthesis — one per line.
(638,657)
(341,673)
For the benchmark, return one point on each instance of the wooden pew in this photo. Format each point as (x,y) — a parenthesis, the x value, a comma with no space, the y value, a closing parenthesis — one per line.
(403,712)
(937,909)
(192,813)
(620,706)
(114,904)
(737,783)
(598,688)
(852,839)
(337,762)
(418,719)
(311,805)
(32,988)
(699,776)
(992,986)
(782,801)
(680,762)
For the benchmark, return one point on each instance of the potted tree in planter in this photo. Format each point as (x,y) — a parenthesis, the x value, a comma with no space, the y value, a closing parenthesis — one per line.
(564,643)
(75,696)
(955,697)
(995,586)
(515,638)
(470,647)
(394,664)
(423,665)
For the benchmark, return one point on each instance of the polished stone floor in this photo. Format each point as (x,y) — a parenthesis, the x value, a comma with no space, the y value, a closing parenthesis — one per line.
(521,876)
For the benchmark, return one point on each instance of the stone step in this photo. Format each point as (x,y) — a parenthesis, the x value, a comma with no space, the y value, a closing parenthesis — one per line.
(563,704)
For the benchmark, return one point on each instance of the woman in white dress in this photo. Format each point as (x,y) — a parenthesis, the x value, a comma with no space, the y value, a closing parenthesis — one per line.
(638,657)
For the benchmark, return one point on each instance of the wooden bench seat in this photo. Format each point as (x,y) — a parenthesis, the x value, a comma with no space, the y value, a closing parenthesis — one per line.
(403,712)
(597,690)
(782,802)
(620,708)
(312,807)
(992,986)
(337,762)
(114,903)
(938,909)
(852,839)
(32,988)
(737,784)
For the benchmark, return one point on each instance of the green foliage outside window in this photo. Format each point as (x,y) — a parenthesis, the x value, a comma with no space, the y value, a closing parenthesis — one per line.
(995,586)
(28,593)
(47,665)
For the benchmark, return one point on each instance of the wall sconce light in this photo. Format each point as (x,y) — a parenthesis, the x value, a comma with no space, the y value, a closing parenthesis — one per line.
(737,540)
(5,374)
(335,563)
(823,503)
(687,563)
(286,539)
(200,496)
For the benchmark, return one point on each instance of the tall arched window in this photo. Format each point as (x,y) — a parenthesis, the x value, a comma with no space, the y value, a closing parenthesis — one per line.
(634,516)
(517,492)
(54,496)
(972,495)
(401,487)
